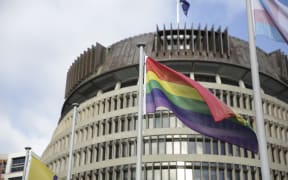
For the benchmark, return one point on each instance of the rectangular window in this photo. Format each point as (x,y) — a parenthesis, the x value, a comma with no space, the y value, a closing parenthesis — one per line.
(184,147)
(176,147)
(124,149)
(207,146)
(154,146)
(196,173)
(191,146)
(165,173)
(150,122)
(131,149)
(223,150)
(157,121)
(165,120)
(173,174)
(146,146)
(169,146)
(199,146)
(215,147)
(17,164)
(161,146)
(117,150)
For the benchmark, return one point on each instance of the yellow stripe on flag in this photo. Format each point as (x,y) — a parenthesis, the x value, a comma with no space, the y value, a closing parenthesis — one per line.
(39,171)
(173,88)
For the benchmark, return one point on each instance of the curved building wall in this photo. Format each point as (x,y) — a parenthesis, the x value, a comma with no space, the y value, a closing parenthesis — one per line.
(105,143)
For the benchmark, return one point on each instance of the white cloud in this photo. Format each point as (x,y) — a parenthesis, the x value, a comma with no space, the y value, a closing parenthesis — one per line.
(39,41)
(13,140)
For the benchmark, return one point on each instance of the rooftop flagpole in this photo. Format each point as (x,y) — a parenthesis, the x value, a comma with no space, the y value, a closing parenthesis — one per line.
(265,170)
(140,112)
(74,122)
(177,11)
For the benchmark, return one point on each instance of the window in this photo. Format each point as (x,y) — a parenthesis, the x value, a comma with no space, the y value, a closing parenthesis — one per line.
(215,147)
(207,146)
(17,164)
(157,121)
(165,120)
(191,146)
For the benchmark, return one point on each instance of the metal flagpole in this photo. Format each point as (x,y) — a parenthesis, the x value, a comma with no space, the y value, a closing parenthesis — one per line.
(74,122)
(27,149)
(140,113)
(265,170)
(177,11)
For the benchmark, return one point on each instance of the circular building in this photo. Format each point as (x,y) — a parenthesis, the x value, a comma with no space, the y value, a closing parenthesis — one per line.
(103,80)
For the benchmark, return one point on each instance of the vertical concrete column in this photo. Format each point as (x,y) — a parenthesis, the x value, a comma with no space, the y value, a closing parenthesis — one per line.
(107,104)
(228,98)
(269,148)
(241,99)
(125,100)
(275,153)
(107,150)
(77,159)
(257,174)
(118,101)
(234,95)
(249,173)
(241,173)
(89,151)
(221,94)
(247,102)
(273,130)
(113,103)
(96,109)
(130,99)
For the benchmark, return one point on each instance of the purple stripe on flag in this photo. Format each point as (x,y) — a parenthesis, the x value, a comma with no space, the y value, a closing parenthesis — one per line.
(226,130)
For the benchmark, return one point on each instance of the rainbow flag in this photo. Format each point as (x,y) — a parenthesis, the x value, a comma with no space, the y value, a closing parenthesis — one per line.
(195,106)
(38,170)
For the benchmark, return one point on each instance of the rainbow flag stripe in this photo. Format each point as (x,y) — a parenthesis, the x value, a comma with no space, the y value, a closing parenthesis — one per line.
(195,106)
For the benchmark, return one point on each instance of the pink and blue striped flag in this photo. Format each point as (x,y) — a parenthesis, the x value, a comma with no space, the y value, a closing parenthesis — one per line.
(271,19)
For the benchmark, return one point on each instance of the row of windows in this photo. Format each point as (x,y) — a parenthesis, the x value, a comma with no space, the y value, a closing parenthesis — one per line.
(180,171)
(126,100)
(161,119)
(169,144)
(275,130)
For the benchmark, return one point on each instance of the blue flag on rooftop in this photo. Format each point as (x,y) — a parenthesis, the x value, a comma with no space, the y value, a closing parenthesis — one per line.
(185,6)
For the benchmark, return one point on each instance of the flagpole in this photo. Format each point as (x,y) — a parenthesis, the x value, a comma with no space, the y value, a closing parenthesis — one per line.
(177,11)
(74,122)
(27,149)
(265,170)
(140,112)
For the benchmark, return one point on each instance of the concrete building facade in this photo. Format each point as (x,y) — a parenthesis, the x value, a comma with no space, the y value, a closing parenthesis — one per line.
(103,80)
(15,166)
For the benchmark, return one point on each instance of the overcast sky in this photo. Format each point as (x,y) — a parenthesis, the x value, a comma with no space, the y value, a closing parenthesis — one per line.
(39,40)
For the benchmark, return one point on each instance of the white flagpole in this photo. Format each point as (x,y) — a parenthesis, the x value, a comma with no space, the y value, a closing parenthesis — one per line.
(27,149)
(177,10)
(74,122)
(140,113)
(265,170)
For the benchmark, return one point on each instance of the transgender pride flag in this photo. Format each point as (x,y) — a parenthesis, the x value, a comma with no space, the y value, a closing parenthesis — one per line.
(271,19)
